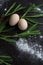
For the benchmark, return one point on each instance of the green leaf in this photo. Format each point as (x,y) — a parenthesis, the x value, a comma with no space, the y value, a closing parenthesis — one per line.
(28,21)
(33,27)
(2,61)
(28,10)
(8,39)
(36,8)
(32,20)
(6,58)
(28,33)
(10,8)
(22,7)
(39,5)
(18,8)
(35,16)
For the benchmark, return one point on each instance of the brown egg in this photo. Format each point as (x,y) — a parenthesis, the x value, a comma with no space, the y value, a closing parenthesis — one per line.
(22,24)
(14,19)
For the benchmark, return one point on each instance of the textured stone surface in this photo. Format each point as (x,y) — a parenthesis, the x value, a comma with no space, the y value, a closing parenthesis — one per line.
(27,51)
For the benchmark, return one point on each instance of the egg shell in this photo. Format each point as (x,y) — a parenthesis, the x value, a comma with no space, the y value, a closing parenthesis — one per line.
(22,24)
(14,19)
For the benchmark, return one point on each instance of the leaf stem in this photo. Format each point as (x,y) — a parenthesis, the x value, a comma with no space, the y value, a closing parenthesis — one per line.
(27,33)
(8,38)
(24,34)
(28,10)
(10,9)
(2,61)
(35,16)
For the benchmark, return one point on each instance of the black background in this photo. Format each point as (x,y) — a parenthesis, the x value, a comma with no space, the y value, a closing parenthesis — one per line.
(20,58)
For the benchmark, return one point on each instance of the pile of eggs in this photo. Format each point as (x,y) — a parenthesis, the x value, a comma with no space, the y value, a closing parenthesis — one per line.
(22,23)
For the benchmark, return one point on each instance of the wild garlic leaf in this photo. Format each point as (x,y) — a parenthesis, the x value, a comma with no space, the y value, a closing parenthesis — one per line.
(28,21)
(33,27)
(32,20)
(6,58)
(10,8)
(2,61)
(28,33)
(39,5)
(8,39)
(36,16)
(28,10)
(18,8)
(36,8)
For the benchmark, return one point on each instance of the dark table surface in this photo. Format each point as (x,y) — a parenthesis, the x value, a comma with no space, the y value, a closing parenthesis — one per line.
(26,51)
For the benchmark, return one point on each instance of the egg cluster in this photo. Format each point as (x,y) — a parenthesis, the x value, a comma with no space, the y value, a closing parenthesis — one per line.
(22,23)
